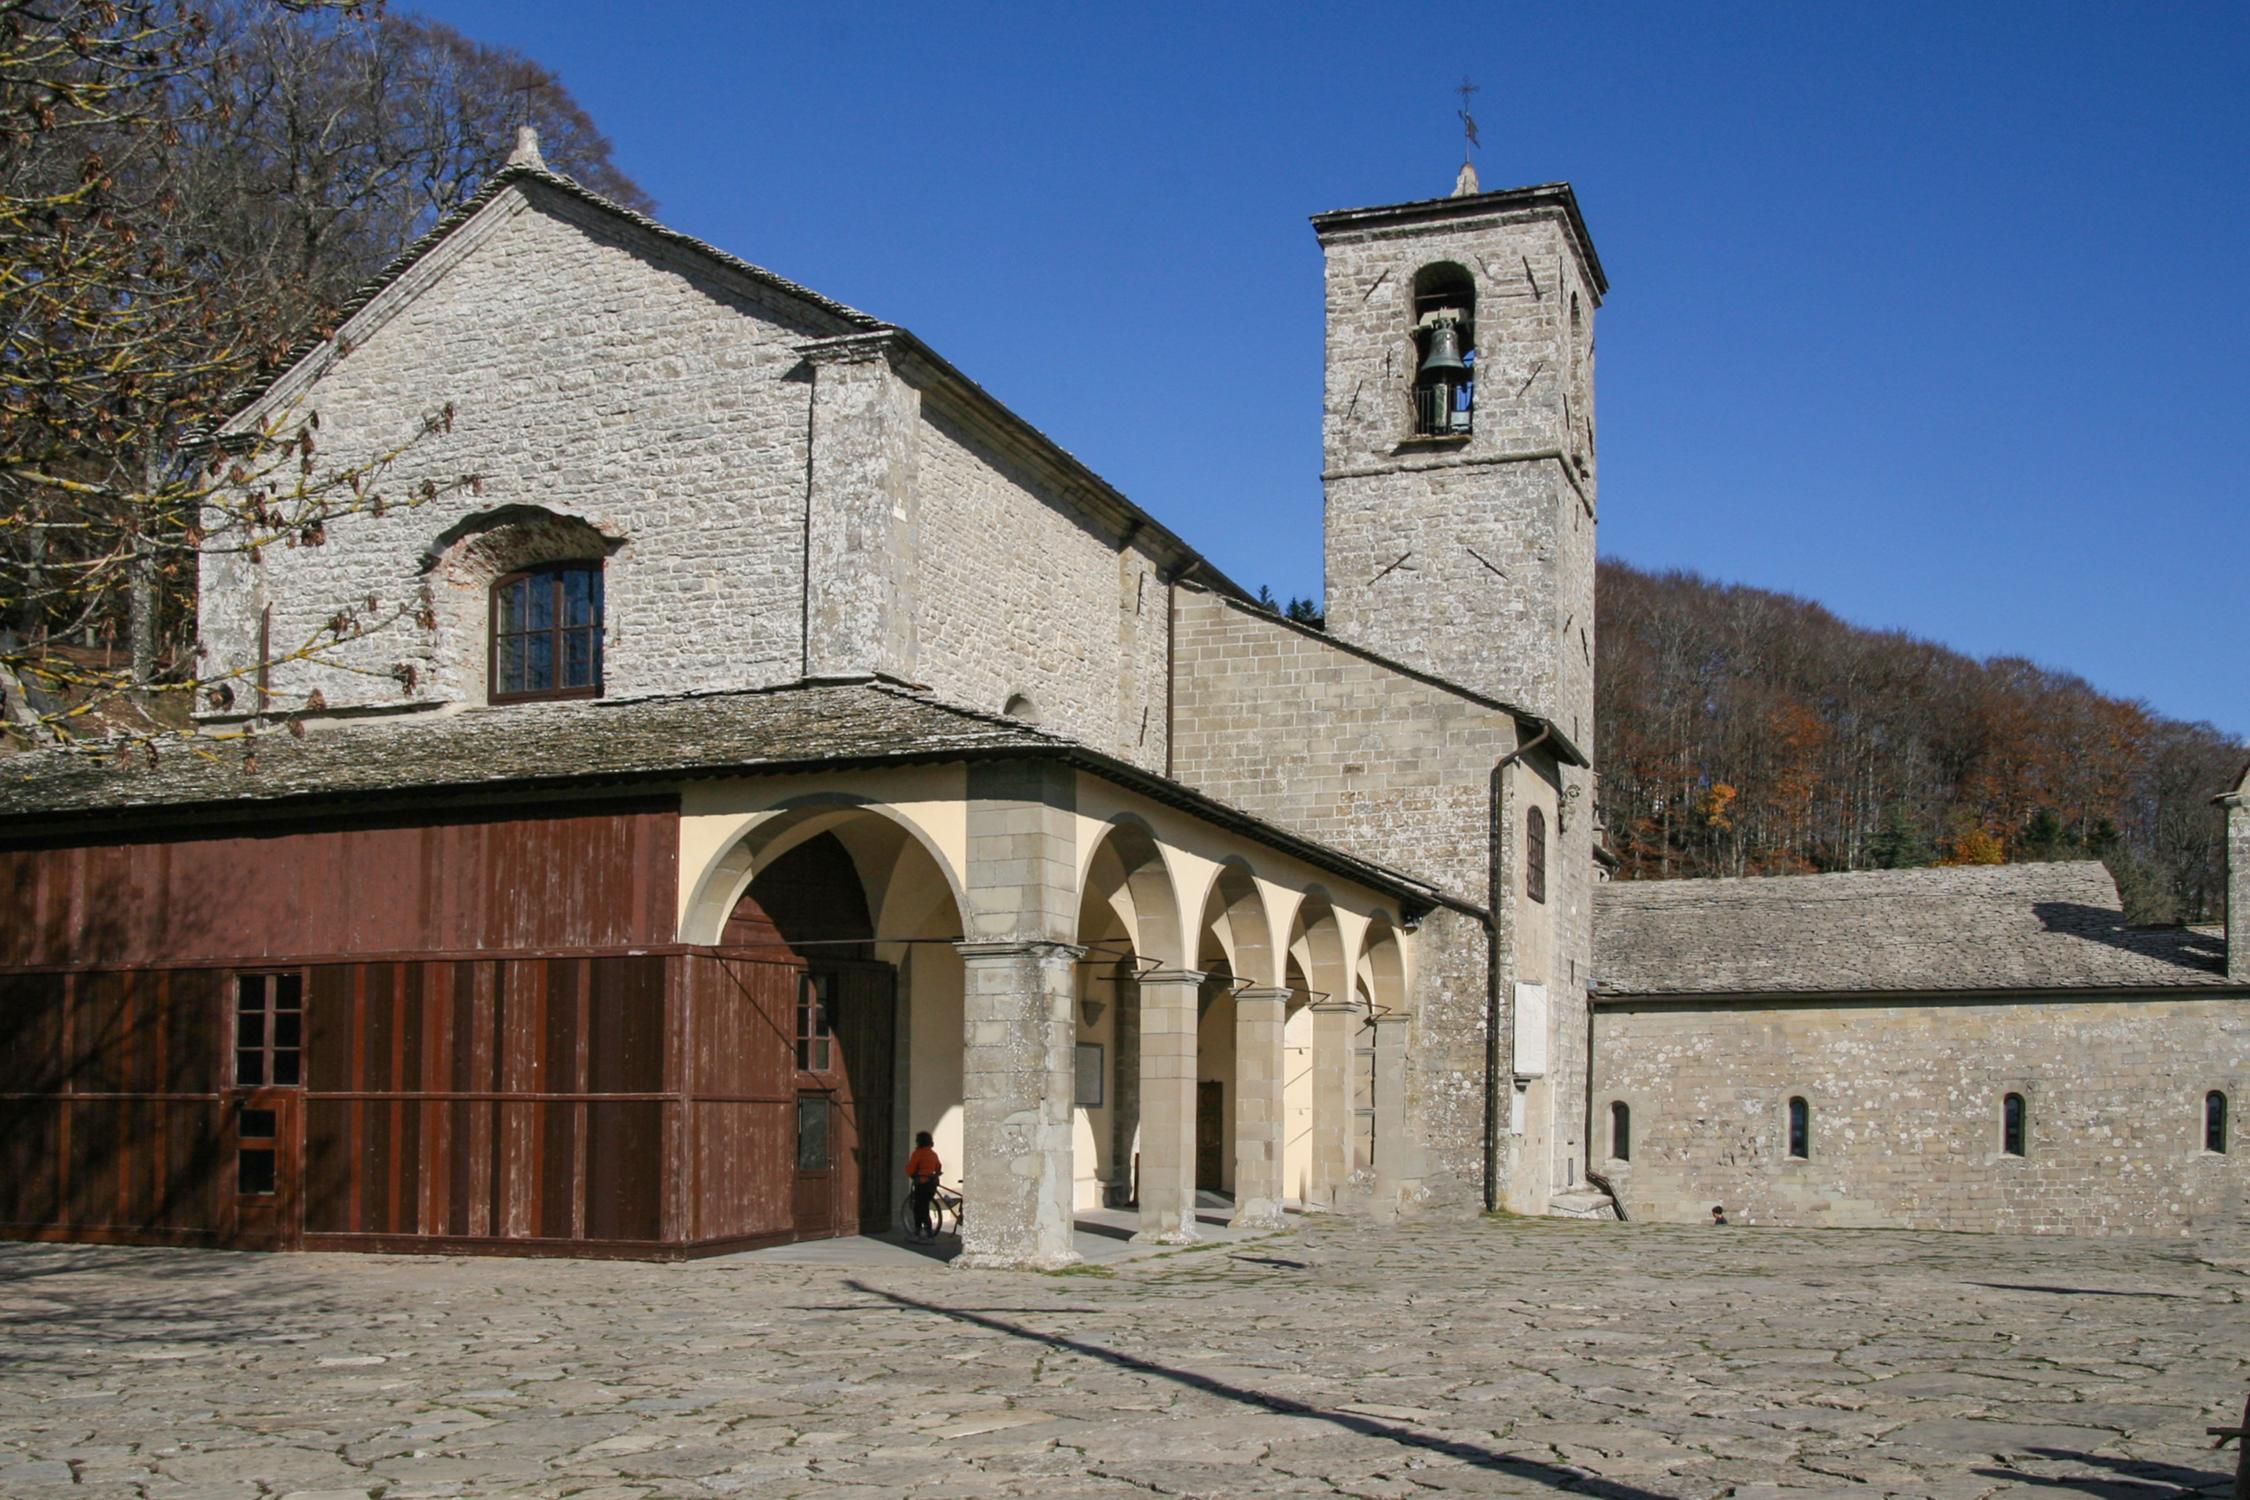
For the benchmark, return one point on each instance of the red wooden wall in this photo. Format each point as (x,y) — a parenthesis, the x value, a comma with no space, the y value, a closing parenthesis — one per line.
(541,879)
(109,1105)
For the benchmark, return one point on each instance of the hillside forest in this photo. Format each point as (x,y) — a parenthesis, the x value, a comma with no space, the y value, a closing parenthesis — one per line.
(1747,732)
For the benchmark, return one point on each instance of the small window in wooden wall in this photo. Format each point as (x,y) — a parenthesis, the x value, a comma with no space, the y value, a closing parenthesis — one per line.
(2215,1122)
(1800,1129)
(815,1041)
(1535,855)
(269,1031)
(2012,1132)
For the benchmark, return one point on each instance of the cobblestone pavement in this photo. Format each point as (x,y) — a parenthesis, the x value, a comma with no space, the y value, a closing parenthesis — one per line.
(1502,1357)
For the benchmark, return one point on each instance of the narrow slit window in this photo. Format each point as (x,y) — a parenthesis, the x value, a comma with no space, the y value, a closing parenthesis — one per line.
(1535,855)
(2215,1122)
(2012,1125)
(1800,1129)
(1620,1131)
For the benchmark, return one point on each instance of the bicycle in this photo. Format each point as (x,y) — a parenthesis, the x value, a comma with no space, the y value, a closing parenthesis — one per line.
(946,1203)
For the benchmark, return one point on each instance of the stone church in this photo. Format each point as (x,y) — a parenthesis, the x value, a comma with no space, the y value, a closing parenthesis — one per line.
(784,748)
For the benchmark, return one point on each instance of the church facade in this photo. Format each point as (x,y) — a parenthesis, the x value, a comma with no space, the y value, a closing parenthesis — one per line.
(782,748)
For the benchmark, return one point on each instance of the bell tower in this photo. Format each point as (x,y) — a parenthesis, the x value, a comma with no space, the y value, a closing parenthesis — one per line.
(1458,441)
(1461,482)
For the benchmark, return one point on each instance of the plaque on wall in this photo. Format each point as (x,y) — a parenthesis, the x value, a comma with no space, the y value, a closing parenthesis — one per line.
(1089,1090)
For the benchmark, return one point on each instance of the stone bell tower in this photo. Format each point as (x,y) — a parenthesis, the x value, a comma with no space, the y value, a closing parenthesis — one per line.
(1458,441)
(1460,474)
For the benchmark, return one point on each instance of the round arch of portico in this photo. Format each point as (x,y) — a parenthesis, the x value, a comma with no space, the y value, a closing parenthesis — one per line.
(1234,911)
(1316,943)
(1381,965)
(768,833)
(1144,876)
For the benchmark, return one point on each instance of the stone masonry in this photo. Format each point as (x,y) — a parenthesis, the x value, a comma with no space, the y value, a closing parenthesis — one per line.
(782,487)
(1904,1105)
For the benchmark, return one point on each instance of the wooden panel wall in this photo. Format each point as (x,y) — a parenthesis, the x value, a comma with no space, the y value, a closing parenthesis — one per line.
(506,1100)
(109,1105)
(742,1072)
(583,877)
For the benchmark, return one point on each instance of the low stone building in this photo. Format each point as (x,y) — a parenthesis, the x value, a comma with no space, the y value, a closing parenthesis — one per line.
(1990,1047)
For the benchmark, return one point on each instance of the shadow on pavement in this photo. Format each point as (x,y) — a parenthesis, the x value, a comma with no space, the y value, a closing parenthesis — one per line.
(1530,1470)
(2127,1479)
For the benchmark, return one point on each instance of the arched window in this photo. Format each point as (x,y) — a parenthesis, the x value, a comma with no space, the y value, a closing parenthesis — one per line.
(1800,1129)
(1620,1131)
(2012,1125)
(1445,351)
(1535,855)
(2215,1122)
(547,633)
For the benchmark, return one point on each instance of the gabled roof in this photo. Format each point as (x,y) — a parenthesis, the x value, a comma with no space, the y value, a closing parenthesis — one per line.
(575,746)
(1102,500)
(1978,929)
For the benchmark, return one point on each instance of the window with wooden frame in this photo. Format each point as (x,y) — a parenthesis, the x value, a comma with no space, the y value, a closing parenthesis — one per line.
(1535,855)
(269,1031)
(547,633)
(816,1043)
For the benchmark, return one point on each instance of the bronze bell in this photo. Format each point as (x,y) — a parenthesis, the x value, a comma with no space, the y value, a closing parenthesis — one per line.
(1443,362)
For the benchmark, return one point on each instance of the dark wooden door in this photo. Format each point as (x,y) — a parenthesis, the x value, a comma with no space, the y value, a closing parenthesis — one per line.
(265,1167)
(864,999)
(1210,1135)
(265,1118)
(845,1030)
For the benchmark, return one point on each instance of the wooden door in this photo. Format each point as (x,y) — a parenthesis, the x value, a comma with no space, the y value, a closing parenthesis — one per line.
(865,1000)
(1210,1135)
(264,1113)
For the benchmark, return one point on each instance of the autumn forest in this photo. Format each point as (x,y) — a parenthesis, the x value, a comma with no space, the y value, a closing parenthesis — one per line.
(1746,732)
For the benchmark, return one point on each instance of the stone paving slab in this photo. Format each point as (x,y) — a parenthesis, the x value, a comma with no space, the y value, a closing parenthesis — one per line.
(1501,1357)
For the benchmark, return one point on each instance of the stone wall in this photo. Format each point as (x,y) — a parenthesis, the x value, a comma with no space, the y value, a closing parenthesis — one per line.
(1020,594)
(595,372)
(1905,1112)
(1336,745)
(1289,724)
(2237,804)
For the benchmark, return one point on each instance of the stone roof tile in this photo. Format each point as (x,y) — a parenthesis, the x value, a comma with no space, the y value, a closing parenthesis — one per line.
(1974,928)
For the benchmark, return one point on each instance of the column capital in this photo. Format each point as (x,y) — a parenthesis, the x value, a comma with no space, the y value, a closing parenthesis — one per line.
(1174,976)
(1263,992)
(1386,1018)
(1334,1008)
(1041,948)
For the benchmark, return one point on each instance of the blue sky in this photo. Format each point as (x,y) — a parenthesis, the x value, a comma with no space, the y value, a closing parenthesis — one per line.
(1936,314)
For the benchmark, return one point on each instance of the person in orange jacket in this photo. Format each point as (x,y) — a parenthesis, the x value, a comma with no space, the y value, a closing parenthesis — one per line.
(922,1170)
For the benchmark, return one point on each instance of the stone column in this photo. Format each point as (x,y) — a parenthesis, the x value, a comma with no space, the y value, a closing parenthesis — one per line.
(1168,1022)
(1258,1120)
(1394,1153)
(1015,1104)
(1125,1098)
(1333,1021)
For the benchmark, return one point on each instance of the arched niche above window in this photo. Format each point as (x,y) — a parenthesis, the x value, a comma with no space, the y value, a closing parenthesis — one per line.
(471,617)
